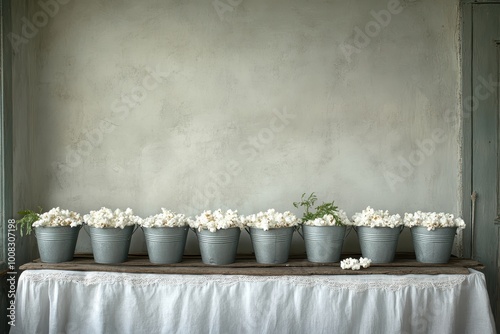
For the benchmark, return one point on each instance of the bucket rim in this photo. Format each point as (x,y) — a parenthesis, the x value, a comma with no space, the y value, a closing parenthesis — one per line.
(387,228)
(273,228)
(56,227)
(112,228)
(163,227)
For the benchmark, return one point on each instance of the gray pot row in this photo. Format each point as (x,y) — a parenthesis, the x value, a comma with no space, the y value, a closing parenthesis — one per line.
(379,243)
(166,245)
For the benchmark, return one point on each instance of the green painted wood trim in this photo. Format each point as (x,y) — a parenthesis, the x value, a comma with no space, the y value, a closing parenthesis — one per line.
(466,54)
(6,156)
(485,135)
(481,2)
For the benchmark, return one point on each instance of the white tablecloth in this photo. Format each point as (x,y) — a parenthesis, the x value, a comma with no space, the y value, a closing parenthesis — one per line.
(50,301)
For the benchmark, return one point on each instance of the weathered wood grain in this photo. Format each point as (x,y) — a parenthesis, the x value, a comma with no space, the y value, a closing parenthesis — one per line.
(246,265)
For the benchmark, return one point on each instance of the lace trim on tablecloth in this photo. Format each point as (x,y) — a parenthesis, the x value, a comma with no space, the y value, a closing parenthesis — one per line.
(441,282)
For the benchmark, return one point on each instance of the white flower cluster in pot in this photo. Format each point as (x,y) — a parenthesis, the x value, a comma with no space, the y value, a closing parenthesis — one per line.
(166,218)
(58,217)
(330,220)
(106,218)
(376,218)
(217,220)
(433,220)
(355,264)
(272,219)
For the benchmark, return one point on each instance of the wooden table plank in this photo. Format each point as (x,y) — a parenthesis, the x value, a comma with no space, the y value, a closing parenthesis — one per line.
(246,265)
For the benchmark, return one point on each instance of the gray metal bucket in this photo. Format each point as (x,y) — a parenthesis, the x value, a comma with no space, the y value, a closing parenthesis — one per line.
(324,243)
(272,246)
(219,247)
(433,246)
(111,245)
(378,243)
(165,244)
(57,243)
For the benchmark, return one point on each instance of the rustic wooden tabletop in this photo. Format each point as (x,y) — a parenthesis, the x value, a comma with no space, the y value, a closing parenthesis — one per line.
(405,263)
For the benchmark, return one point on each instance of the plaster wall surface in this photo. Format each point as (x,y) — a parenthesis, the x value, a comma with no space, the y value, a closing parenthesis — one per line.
(190,106)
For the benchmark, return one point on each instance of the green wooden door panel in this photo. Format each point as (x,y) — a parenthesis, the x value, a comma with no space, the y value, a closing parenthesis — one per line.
(483,110)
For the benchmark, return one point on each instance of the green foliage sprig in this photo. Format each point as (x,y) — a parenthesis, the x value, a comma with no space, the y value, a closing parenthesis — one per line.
(27,220)
(311,212)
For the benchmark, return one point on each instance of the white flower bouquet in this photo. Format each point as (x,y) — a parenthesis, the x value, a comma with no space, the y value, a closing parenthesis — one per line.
(53,218)
(217,220)
(166,218)
(58,217)
(106,218)
(56,231)
(326,214)
(272,219)
(432,220)
(329,220)
(376,218)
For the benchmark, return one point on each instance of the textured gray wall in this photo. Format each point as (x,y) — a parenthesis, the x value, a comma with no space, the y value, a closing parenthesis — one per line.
(245,105)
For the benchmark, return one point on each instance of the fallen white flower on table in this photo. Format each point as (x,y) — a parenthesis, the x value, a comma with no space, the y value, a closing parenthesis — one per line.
(365,262)
(355,264)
